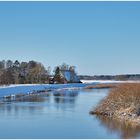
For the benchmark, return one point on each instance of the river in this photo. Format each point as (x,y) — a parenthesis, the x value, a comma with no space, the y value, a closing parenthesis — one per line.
(60,117)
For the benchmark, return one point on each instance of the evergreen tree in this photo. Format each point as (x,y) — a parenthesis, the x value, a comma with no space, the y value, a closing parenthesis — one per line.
(58,76)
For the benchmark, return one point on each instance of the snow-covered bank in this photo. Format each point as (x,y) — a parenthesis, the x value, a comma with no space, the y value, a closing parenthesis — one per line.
(108,81)
(28,88)
(16,85)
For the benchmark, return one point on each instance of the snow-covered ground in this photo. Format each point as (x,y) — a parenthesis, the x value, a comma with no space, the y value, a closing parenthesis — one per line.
(28,88)
(16,85)
(107,81)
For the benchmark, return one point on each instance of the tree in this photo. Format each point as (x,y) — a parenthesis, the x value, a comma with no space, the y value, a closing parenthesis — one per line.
(24,72)
(9,64)
(72,69)
(58,76)
(16,71)
(64,66)
(2,65)
(32,64)
(16,64)
(7,77)
(36,73)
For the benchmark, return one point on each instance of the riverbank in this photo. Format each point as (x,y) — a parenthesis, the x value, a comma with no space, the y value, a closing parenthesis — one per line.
(11,90)
(100,86)
(122,103)
(109,81)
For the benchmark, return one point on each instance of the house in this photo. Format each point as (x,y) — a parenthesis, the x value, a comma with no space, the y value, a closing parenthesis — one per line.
(65,76)
(69,76)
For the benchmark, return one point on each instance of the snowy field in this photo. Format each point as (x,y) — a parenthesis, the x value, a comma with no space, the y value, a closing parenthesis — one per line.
(28,88)
(107,81)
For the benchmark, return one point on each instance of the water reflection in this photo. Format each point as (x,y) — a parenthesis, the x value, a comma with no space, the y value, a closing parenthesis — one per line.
(126,131)
(65,96)
(41,116)
(33,98)
(29,103)
(66,93)
(65,99)
(95,90)
(26,98)
(60,99)
(16,109)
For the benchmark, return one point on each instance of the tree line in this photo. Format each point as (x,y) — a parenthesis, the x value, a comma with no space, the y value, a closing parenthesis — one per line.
(22,72)
(122,77)
(31,72)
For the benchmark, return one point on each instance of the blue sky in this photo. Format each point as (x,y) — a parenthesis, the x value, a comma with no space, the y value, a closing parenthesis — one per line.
(96,37)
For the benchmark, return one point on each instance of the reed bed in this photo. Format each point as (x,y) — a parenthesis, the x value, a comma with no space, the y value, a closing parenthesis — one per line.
(122,102)
(100,86)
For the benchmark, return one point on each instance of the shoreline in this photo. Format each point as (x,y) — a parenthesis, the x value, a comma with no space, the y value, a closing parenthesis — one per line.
(83,82)
(120,116)
(109,81)
(122,103)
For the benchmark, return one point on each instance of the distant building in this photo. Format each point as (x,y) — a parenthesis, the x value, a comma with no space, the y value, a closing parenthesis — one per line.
(66,76)
(69,76)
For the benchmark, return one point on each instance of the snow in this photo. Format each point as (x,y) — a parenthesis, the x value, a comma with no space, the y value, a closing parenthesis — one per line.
(28,88)
(107,81)
(16,85)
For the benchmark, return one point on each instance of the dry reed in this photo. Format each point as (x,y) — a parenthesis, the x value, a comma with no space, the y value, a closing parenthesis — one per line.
(123,97)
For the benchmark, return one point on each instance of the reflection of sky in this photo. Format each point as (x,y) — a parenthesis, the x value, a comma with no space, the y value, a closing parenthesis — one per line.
(44,118)
(54,117)
(31,103)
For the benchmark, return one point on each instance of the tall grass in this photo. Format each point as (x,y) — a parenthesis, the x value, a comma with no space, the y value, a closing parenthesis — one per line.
(101,86)
(123,97)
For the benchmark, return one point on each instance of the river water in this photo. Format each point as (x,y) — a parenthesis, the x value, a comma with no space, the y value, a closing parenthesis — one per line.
(56,116)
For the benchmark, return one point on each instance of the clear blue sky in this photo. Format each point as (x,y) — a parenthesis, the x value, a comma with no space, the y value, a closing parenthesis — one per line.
(96,37)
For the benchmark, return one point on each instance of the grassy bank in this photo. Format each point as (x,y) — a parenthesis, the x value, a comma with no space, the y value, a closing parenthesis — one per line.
(100,86)
(122,102)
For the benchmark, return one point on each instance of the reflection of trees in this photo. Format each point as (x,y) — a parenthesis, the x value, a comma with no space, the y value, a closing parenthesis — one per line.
(66,93)
(126,130)
(33,98)
(64,100)
(10,108)
(23,102)
(26,98)
(65,97)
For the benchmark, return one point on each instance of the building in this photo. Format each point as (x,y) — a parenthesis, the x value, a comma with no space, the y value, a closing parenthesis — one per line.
(69,76)
(65,76)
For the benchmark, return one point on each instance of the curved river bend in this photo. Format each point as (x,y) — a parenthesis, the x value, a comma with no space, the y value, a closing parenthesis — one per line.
(59,117)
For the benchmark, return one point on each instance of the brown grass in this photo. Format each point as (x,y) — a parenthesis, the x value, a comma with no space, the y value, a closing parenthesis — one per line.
(99,86)
(122,97)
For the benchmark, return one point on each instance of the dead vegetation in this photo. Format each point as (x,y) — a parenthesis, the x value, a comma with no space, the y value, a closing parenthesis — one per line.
(123,102)
(100,86)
